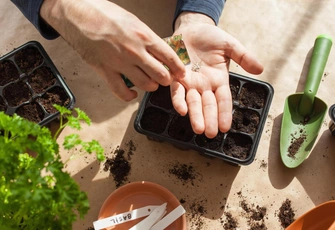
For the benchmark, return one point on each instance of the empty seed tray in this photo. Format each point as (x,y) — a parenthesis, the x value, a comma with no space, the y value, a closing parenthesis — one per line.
(30,84)
(157,119)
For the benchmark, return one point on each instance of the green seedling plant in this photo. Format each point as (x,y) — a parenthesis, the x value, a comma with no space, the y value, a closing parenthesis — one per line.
(35,190)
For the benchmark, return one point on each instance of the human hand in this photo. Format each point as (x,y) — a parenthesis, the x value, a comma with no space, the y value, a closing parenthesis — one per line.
(113,42)
(204,92)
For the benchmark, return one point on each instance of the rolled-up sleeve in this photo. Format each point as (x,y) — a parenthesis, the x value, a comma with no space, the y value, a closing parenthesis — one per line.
(31,10)
(211,8)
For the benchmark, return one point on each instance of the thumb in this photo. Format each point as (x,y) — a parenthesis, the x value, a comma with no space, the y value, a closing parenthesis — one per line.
(238,53)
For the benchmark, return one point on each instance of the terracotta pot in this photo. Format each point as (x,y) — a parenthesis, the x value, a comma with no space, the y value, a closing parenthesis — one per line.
(320,217)
(137,195)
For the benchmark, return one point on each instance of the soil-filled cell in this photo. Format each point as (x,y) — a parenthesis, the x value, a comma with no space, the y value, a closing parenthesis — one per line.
(234,87)
(181,129)
(55,95)
(3,106)
(205,142)
(41,79)
(17,93)
(32,112)
(253,95)
(237,146)
(154,120)
(28,58)
(162,97)
(8,72)
(245,120)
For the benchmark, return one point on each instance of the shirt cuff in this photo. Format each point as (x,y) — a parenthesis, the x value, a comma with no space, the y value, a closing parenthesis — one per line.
(31,10)
(211,8)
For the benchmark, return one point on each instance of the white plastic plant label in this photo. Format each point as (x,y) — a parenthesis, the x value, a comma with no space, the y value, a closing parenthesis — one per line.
(123,217)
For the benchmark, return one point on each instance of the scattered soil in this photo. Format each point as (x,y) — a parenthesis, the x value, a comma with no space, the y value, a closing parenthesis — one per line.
(230,222)
(296,143)
(286,214)
(119,165)
(195,216)
(263,165)
(253,95)
(237,145)
(255,214)
(183,172)
(28,58)
(8,72)
(245,120)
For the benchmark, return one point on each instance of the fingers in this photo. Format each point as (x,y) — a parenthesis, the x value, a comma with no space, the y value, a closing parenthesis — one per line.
(238,53)
(155,70)
(225,107)
(164,53)
(119,88)
(139,78)
(210,111)
(178,98)
(203,112)
(194,103)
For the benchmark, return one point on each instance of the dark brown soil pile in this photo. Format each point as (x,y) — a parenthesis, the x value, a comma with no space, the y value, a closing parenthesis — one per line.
(119,165)
(183,172)
(197,210)
(263,165)
(296,143)
(255,215)
(286,214)
(230,223)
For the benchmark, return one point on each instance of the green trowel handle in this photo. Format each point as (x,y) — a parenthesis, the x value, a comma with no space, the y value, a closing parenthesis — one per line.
(318,62)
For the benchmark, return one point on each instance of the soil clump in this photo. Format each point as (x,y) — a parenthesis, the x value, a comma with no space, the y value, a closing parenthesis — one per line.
(119,165)
(286,214)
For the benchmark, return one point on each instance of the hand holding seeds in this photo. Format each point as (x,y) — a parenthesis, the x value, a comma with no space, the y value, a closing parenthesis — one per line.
(204,92)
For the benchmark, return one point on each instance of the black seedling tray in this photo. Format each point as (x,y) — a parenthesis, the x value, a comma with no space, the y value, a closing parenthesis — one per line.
(157,119)
(30,84)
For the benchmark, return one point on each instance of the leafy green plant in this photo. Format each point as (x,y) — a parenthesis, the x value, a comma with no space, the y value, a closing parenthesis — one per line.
(35,190)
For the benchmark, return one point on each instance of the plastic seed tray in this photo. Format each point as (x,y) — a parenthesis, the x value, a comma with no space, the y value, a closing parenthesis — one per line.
(157,119)
(30,84)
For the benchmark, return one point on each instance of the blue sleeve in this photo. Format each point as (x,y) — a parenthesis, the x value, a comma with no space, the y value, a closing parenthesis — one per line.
(211,8)
(31,10)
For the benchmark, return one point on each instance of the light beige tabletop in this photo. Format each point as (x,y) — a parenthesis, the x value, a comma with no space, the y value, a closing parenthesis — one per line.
(281,34)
